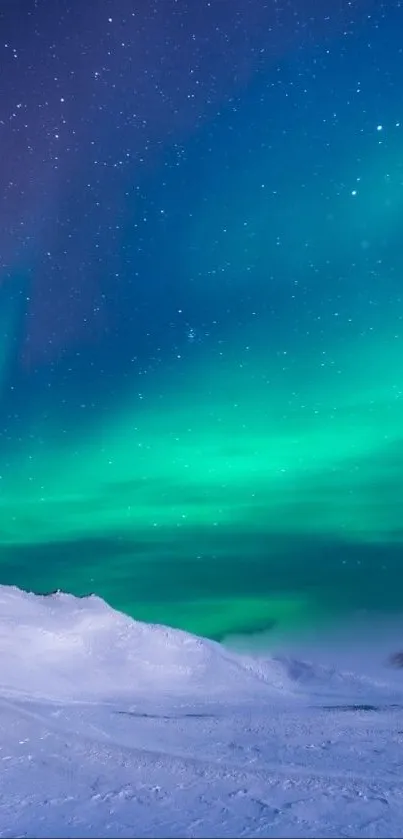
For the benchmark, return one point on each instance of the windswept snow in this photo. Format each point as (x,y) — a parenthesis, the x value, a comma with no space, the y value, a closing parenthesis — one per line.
(110,727)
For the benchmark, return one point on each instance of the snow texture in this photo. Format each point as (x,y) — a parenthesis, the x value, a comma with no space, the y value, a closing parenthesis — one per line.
(114,728)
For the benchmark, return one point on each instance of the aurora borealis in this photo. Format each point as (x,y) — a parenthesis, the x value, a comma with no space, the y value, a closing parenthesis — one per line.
(201,295)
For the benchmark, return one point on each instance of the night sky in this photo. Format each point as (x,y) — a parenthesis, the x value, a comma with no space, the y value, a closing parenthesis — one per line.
(201,307)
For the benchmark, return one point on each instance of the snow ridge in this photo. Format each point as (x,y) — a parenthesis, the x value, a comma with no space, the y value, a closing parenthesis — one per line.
(111,727)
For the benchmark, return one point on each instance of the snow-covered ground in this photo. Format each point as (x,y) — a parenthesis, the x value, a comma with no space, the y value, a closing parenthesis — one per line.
(110,727)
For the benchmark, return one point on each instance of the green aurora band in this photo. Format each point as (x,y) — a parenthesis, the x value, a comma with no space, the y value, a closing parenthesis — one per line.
(259,482)
(194,491)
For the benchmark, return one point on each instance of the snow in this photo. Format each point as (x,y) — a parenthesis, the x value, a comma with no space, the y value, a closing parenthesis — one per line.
(110,727)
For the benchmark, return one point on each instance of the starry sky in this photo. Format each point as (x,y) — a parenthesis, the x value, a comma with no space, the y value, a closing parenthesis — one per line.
(201,304)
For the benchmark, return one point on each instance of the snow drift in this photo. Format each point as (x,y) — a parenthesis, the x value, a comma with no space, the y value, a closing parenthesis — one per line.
(111,727)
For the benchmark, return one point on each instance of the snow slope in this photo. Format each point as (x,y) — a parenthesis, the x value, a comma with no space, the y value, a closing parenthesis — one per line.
(109,727)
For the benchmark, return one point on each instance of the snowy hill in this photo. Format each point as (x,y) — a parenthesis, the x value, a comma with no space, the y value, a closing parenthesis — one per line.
(110,727)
